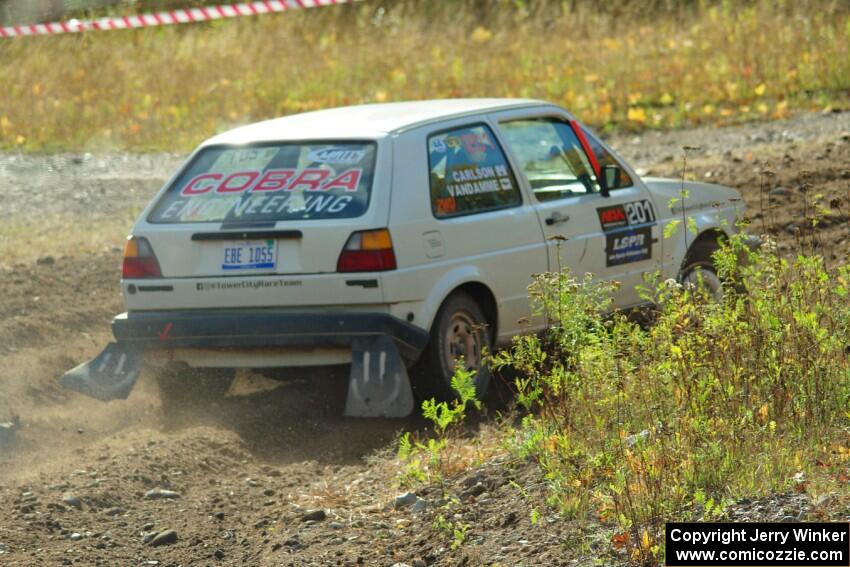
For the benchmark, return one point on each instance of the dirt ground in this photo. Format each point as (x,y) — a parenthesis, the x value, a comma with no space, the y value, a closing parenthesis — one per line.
(273,474)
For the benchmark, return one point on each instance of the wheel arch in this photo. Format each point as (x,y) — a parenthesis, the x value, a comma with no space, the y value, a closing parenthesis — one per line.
(471,282)
(704,244)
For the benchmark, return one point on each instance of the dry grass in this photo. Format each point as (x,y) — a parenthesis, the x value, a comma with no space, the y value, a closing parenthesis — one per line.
(168,88)
(26,240)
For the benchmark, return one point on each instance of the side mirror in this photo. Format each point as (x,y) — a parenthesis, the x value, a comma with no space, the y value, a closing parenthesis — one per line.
(610,179)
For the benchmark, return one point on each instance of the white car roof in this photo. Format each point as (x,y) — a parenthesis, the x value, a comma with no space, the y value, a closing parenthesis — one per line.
(368,121)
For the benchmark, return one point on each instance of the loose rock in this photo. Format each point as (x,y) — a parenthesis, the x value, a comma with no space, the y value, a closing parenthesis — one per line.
(404,500)
(161,494)
(71,500)
(294,544)
(475,490)
(419,506)
(167,537)
(314,515)
(472,480)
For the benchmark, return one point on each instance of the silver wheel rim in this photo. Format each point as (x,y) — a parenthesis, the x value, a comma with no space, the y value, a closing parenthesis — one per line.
(462,339)
(704,279)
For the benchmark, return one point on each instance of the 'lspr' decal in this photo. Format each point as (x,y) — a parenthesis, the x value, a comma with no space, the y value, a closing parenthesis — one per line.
(628,231)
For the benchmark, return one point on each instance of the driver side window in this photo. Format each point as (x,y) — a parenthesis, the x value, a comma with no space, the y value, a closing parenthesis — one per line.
(551,157)
(605,158)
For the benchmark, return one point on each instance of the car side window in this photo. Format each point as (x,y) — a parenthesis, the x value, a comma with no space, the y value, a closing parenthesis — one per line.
(469,173)
(551,156)
(604,158)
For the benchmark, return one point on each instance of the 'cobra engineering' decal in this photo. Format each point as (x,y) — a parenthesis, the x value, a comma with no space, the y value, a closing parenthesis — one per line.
(628,231)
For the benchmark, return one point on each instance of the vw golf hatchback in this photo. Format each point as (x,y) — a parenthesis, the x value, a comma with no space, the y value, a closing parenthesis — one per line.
(397,238)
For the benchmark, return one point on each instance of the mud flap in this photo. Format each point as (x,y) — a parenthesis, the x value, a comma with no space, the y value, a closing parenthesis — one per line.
(111,375)
(378,385)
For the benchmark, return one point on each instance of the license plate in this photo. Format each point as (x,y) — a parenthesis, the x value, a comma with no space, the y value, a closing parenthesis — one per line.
(249,255)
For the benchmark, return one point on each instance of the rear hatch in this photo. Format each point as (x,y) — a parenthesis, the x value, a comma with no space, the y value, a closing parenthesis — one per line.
(263,225)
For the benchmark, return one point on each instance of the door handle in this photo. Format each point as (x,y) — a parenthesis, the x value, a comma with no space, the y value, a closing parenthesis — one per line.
(557,218)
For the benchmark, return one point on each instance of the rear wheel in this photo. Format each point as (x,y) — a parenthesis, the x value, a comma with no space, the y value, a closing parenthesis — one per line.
(460,331)
(181,386)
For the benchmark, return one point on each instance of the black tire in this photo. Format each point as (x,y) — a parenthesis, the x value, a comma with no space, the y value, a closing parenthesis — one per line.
(181,386)
(459,329)
(699,269)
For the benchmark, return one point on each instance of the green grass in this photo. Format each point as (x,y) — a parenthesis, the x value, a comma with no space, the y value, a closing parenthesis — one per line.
(623,67)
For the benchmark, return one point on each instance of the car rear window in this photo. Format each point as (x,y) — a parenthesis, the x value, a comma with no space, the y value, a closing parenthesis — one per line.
(292,181)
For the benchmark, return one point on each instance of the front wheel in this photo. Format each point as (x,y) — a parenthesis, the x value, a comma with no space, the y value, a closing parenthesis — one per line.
(703,276)
(460,331)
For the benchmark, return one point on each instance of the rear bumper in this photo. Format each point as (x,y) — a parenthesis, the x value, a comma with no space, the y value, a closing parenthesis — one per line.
(266,328)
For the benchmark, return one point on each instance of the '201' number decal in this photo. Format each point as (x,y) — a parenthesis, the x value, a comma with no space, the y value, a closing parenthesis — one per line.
(640,212)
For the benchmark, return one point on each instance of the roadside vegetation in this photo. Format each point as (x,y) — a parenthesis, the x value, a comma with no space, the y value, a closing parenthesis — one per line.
(627,65)
(634,425)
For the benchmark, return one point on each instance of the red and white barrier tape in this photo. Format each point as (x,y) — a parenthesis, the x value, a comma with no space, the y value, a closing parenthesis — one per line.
(171,17)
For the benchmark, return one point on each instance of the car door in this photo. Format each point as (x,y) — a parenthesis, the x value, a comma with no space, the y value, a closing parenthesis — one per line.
(615,237)
(634,246)
(458,215)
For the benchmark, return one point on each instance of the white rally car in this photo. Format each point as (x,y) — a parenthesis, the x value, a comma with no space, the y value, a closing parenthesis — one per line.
(398,238)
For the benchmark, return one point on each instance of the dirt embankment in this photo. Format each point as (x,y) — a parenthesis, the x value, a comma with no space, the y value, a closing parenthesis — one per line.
(275,475)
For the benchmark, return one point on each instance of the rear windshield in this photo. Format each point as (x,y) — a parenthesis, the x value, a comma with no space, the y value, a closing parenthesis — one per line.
(271,183)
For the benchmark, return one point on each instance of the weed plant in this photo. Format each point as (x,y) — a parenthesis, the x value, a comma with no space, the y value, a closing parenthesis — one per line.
(715,400)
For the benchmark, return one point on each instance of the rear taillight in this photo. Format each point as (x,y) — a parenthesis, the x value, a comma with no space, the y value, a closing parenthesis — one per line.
(139,260)
(367,251)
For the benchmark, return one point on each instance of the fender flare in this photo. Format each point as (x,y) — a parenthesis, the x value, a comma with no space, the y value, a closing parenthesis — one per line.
(706,224)
(446,285)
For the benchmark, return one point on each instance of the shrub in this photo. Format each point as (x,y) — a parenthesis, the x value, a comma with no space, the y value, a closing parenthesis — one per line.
(712,401)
